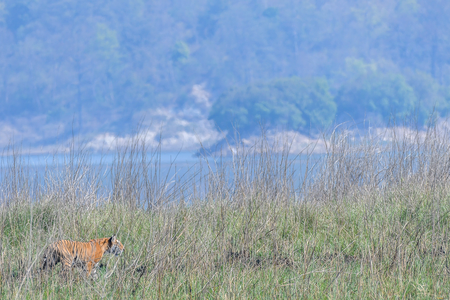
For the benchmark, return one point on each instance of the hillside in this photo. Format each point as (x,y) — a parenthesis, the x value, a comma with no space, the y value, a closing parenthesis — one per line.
(100,67)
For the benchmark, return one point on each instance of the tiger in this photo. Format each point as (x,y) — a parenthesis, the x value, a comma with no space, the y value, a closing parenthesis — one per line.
(84,254)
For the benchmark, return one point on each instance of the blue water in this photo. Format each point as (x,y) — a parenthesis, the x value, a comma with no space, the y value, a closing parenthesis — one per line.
(42,160)
(179,176)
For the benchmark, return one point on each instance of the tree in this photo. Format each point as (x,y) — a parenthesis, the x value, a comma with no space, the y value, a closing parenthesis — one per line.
(432,98)
(377,95)
(288,103)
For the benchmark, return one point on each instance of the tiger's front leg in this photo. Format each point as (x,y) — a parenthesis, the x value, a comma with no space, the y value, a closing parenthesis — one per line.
(90,269)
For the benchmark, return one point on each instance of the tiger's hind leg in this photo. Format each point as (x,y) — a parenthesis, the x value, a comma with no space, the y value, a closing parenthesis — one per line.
(49,260)
(67,264)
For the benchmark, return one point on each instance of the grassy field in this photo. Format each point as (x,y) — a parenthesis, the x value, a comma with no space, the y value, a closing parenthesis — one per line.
(369,219)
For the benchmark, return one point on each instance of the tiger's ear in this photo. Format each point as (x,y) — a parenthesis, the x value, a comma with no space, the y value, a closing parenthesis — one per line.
(113,239)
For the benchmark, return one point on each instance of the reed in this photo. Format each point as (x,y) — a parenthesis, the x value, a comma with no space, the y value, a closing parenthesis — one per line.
(367,219)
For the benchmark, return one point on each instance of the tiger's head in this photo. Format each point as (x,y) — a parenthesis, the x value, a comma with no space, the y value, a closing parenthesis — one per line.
(114,246)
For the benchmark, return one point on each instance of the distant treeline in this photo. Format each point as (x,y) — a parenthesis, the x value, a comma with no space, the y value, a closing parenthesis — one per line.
(308,106)
(295,64)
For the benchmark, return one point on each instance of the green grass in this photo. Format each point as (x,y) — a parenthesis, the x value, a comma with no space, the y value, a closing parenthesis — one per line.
(246,240)
(385,249)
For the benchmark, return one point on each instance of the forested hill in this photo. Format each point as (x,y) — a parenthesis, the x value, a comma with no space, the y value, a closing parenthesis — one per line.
(97,66)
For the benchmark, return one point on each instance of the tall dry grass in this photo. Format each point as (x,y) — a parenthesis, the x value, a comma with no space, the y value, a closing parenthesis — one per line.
(368,218)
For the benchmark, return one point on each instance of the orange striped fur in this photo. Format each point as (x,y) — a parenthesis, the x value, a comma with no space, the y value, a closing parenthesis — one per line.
(84,254)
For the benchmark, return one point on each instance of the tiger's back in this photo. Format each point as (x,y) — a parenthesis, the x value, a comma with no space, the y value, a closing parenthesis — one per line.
(81,254)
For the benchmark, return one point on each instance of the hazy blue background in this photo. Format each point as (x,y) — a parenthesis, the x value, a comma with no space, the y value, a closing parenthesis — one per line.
(193,69)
